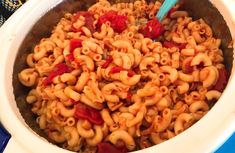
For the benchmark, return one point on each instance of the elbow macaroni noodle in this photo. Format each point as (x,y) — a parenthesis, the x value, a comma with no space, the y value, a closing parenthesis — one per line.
(142,89)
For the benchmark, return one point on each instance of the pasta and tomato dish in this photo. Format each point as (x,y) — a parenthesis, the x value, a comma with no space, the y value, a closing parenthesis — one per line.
(115,79)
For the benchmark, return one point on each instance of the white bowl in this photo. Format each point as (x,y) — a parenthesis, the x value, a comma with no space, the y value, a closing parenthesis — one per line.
(205,136)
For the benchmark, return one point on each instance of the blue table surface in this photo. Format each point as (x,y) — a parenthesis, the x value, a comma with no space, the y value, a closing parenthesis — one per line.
(4,138)
(228,146)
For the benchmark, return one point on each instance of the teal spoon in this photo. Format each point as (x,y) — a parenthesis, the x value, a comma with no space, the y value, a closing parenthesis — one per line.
(165,8)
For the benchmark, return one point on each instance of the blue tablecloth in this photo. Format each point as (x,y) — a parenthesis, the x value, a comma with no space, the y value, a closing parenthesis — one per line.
(228,146)
(4,138)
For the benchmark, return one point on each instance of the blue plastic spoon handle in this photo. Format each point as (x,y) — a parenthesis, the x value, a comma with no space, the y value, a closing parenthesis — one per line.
(164,9)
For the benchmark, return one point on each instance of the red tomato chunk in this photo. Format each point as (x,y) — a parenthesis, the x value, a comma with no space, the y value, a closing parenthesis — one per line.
(70,57)
(73,101)
(130,73)
(118,22)
(85,112)
(222,80)
(108,148)
(169,44)
(153,29)
(186,65)
(172,10)
(74,43)
(193,86)
(116,69)
(59,69)
(104,18)
(89,21)
(107,62)
(188,68)
(79,30)
(129,95)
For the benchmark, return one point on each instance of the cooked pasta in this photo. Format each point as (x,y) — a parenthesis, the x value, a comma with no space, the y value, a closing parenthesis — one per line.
(114,76)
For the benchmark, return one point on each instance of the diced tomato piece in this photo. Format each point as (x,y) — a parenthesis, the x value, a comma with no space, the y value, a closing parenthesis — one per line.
(73,101)
(75,43)
(116,69)
(153,29)
(105,147)
(118,22)
(106,17)
(172,10)
(137,70)
(186,66)
(107,62)
(130,73)
(59,69)
(70,57)
(89,21)
(222,80)
(170,44)
(193,86)
(101,20)
(73,29)
(200,65)
(182,46)
(85,112)
(129,95)
(48,80)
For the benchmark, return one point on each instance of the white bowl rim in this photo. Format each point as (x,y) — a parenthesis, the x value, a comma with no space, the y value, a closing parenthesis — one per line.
(217,125)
